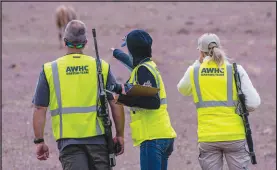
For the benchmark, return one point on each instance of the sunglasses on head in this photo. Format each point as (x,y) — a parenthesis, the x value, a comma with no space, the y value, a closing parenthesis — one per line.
(72,45)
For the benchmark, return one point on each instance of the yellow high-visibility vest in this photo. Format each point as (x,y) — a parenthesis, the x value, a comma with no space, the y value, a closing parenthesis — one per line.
(150,124)
(215,96)
(73,88)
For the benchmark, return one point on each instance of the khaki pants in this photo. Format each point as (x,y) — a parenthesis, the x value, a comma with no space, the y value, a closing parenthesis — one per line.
(236,154)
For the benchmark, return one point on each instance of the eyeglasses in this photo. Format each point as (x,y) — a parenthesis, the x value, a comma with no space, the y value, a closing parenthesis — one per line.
(72,45)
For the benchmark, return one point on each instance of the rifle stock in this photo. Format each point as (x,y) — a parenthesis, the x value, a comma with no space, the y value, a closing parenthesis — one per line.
(244,115)
(103,111)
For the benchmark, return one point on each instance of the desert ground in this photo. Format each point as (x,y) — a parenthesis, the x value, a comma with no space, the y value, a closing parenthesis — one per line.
(30,38)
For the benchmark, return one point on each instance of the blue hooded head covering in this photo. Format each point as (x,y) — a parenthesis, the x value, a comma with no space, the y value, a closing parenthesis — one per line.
(139,44)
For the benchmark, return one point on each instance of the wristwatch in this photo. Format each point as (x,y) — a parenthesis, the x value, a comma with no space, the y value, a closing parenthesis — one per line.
(38,140)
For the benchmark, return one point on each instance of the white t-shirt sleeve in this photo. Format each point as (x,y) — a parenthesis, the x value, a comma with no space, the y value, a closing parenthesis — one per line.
(184,85)
(252,98)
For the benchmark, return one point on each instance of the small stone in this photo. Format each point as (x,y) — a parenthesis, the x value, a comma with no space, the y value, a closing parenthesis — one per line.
(216,30)
(12,66)
(270,155)
(31,6)
(251,31)
(183,31)
(248,31)
(199,30)
(33,19)
(267,131)
(189,23)
(268,14)
(169,17)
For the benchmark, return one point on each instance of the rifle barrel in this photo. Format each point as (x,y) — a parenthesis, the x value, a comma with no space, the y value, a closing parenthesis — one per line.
(104,112)
(244,115)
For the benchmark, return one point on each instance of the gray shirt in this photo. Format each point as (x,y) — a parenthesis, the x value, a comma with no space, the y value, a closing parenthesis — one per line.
(41,98)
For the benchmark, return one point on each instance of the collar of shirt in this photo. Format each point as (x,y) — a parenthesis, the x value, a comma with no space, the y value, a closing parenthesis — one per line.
(207,58)
(143,61)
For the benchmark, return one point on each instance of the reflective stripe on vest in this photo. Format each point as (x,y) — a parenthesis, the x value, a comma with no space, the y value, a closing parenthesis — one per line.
(229,103)
(68,110)
(163,100)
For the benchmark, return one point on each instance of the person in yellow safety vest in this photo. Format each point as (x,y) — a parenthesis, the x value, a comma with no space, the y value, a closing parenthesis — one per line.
(210,80)
(150,122)
(69,87)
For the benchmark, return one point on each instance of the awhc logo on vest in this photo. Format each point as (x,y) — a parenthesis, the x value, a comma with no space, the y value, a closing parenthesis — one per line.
(212,72)
(73,70)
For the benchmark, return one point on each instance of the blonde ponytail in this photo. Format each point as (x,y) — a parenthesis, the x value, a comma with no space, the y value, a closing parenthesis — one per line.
(217,54)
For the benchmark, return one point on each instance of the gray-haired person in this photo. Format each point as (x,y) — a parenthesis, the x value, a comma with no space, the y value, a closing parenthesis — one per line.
(69,87)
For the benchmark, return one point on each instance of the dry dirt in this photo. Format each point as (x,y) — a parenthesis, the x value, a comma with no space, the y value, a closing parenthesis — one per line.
(30,38)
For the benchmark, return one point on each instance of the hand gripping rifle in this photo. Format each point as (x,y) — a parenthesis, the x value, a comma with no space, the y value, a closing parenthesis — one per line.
(103,110)
(242,111)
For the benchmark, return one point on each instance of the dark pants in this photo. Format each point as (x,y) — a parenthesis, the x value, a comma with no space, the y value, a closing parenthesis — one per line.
(154,154)
(85,157)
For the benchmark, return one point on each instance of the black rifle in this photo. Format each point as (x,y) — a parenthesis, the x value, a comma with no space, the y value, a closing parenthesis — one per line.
(103,110)
(242,111)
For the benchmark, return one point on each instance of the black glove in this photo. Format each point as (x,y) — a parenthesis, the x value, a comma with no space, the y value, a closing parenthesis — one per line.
(117,88)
